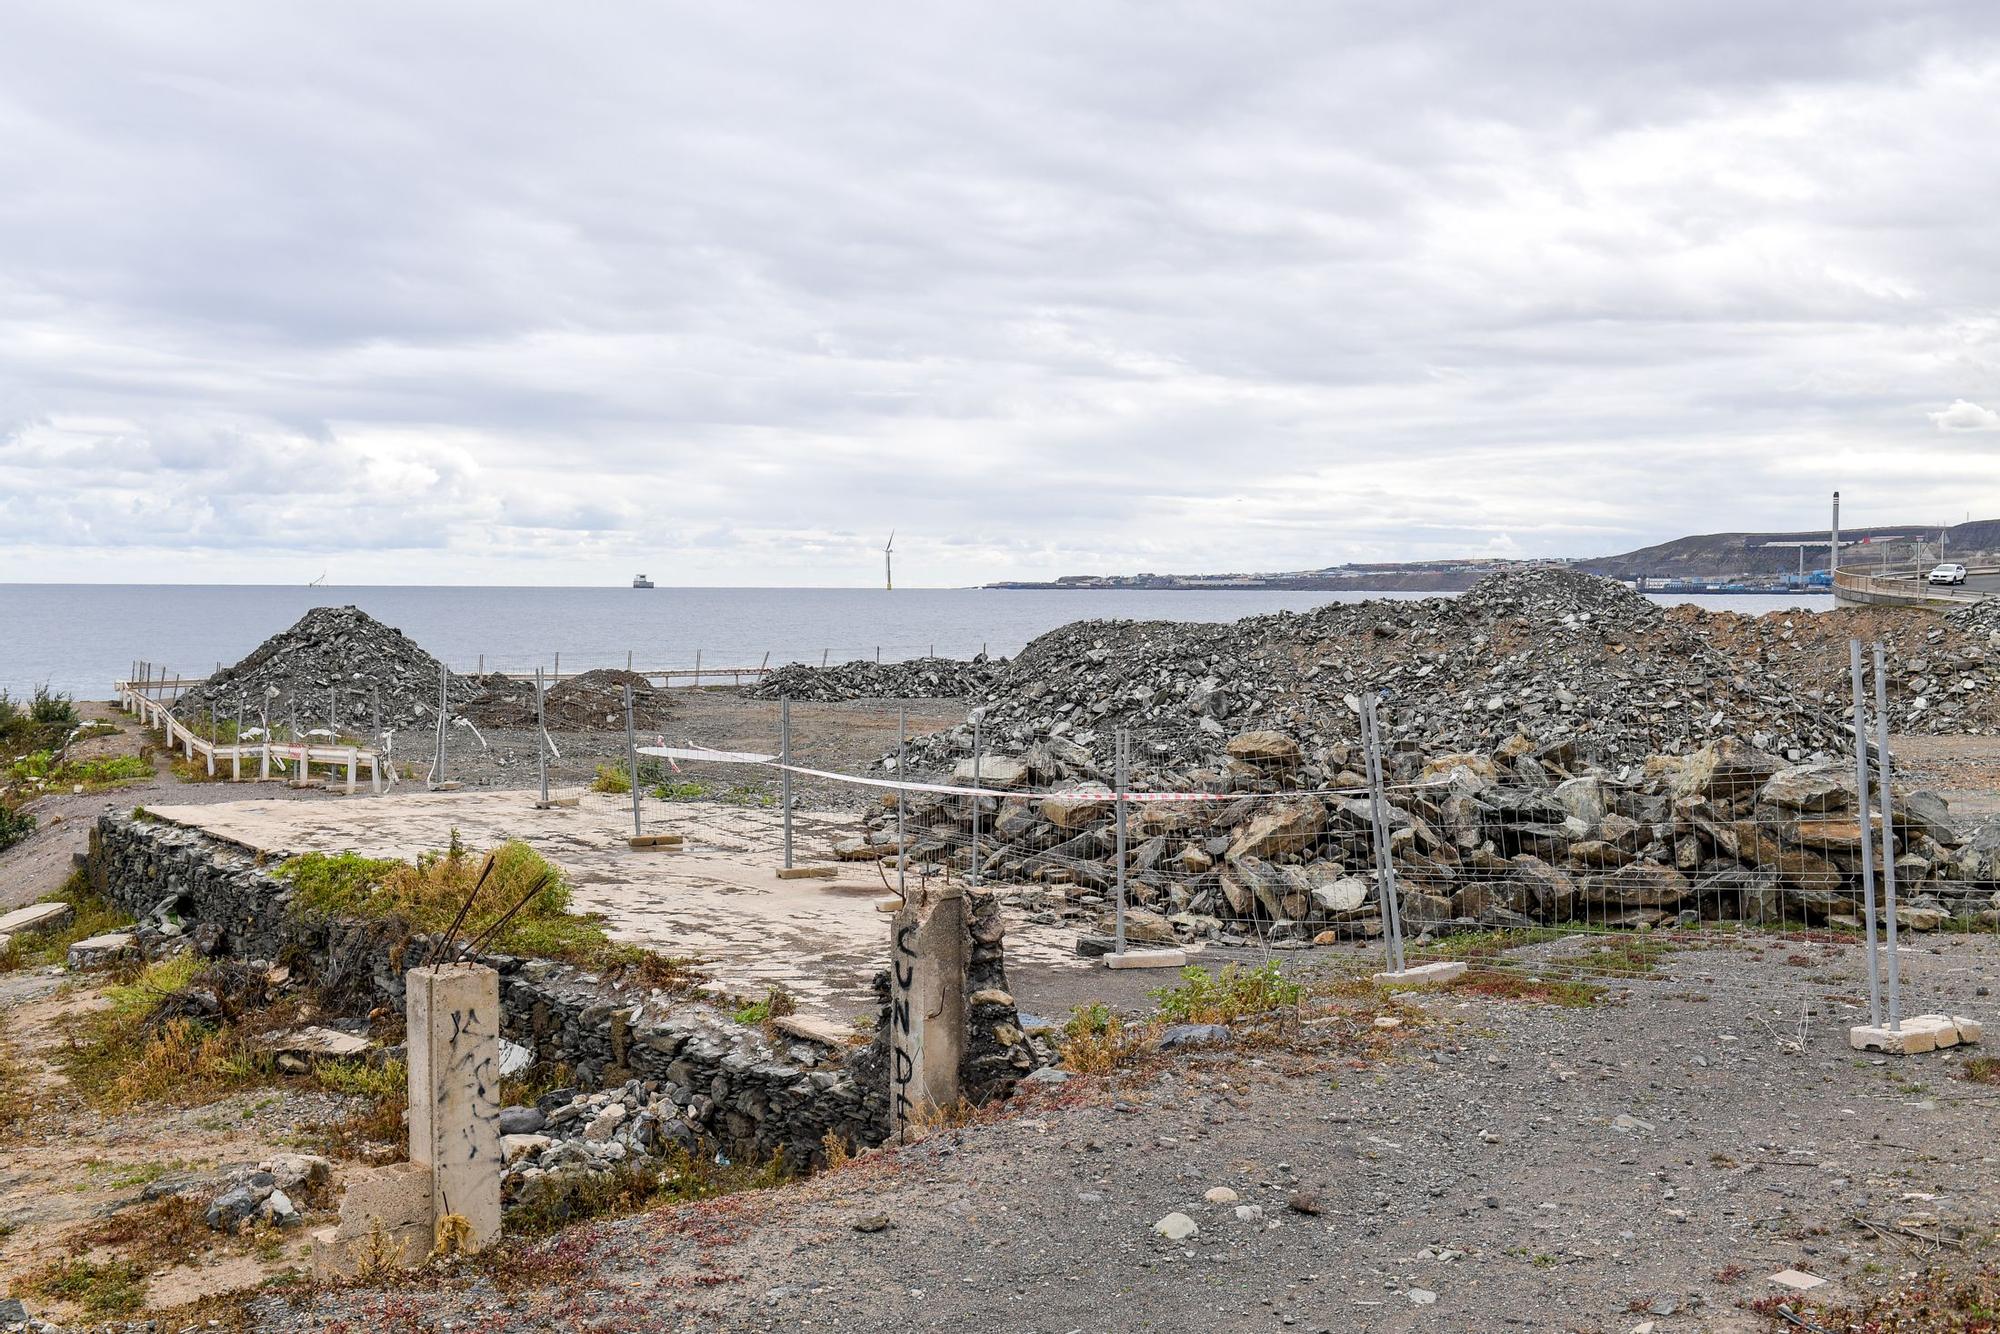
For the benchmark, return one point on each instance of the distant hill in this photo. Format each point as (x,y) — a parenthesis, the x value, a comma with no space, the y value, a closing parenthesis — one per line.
(1725,554)
(1722,556)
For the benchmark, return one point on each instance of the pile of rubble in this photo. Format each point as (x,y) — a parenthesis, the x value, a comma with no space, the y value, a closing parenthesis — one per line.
(919,678)
(331,667)
(1513,836)
(1543,653)
(593,701)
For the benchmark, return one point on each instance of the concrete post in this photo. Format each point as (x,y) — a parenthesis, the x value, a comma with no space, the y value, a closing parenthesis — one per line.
(454,1058)
(927,1015)
(785,774)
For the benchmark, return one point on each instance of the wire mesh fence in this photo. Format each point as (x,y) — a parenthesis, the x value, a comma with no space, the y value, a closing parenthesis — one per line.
(1341,827)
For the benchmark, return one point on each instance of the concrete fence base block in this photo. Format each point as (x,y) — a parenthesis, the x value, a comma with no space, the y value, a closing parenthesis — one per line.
(555,803)
(1147,959)
(807,873)
(1422,975)
(1918,1033)
(644,842)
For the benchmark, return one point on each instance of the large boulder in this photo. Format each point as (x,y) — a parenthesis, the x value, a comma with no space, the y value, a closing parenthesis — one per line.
(994,771)
(1075,809)
(1266,750)
(1806,787)
(1283,828)
(1724,769)
(1646,884)
(1547,892)
(1585,799)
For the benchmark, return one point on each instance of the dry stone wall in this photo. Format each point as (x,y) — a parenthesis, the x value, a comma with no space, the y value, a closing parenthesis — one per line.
(750,1094)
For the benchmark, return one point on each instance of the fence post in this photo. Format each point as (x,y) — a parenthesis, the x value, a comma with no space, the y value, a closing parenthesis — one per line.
(333,711)
(1888,833)
(375,714)
(1119,748)
(632,757)
(902,801)
(978,754)
(444,708)
(541,738)
(785,773)
(1392,923)
(628,652)
(1866,815)
(822,658)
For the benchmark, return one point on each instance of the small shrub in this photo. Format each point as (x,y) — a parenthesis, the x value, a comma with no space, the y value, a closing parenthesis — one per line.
(685,790)
(14,826)
(1095,1041)
(49,709)
(1235,993)
(611,778)
(1981,1070)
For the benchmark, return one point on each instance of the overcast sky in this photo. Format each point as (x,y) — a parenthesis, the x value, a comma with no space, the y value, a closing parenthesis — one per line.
(552,294)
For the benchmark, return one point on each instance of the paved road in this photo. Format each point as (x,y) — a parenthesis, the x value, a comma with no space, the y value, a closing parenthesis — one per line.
(1975,583)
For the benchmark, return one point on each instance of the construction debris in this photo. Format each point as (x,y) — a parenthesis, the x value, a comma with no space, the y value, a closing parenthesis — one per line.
(920,678)
(331,668)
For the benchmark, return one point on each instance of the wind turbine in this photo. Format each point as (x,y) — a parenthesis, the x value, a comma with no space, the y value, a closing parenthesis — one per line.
(888,562)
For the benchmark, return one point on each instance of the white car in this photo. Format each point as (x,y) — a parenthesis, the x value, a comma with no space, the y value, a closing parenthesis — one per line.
(1946,574)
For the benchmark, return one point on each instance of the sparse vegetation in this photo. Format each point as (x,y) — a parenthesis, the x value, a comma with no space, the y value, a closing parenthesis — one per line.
(426,897)
(17,1095)
(625,1187)
(44,769)
(1202,997)
(776,1004)
(611,778)
(115,1287)
(735,794)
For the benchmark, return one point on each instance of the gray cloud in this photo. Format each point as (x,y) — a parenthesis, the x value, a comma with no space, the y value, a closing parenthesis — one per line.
(1046,288)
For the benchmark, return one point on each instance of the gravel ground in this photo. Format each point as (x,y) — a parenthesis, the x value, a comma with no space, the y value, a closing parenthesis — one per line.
(1507,1165)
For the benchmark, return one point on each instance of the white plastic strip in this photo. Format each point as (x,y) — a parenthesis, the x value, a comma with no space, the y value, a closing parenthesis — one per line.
(671,753)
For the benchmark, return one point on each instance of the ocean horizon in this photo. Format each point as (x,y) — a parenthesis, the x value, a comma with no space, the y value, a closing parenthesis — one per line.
(80,638)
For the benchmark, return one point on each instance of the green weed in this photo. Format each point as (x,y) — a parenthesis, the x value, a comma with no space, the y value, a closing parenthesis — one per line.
(1202,997)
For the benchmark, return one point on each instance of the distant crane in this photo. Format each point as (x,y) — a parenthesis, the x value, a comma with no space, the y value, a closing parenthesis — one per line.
(888,562)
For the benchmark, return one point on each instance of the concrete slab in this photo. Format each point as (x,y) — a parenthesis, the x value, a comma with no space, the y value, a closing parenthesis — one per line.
(100,951)
(314,1041)
(1422,975)
(35,917)
(1147,959)
(719,900)
(808,872)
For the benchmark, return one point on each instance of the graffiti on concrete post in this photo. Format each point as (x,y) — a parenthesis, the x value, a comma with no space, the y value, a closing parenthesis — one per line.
(902,1037)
